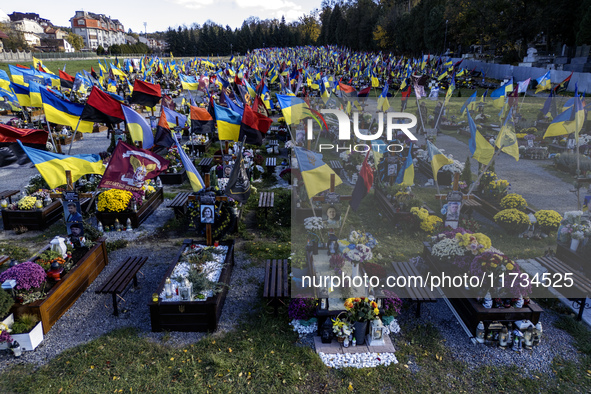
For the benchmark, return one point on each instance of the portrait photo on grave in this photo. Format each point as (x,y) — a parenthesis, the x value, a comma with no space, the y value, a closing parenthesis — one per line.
(72,213)
(331,216)
(207,214)
(453,211)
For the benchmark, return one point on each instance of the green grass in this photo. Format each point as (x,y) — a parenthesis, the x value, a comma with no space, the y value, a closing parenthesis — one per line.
(264,250)
(262,355)
(17,252)
(72,66)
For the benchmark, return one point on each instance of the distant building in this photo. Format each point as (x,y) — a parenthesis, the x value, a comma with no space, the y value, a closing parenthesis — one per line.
(54,33)
(31,30)
(55,45)
(152,43)
(19,16)
(97,29)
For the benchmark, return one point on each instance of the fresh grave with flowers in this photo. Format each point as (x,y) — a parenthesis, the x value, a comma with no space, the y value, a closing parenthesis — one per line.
(494,284)
(49,284)
(191,295)
(116,206)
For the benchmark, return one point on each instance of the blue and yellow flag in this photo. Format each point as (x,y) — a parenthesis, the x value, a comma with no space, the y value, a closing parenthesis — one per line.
(436,158)
(138,127)
(189,82)
(22,94)
(383,103)
(480,148)
(197,182)
(315,173)
(406,176)
(53,166)
(294,109)
(544,83)
(228,123)
(498,97)
(172,117)
(569,121)
(4,80)
(64,112)
(507,140)
(469,104)
(35,94)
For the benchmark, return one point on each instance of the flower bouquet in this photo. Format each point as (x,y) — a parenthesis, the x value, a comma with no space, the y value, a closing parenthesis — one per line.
(114,200)
(361,309)
(341,328)
(512,221)
(548,220)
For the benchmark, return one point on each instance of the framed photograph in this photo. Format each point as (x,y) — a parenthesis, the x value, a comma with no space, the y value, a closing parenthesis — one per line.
(331,216)
(72,214)
(392,169)
(227,170)
(207,213)
(453,211)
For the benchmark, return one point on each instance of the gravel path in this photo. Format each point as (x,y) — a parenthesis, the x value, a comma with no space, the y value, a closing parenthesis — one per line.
(527,177)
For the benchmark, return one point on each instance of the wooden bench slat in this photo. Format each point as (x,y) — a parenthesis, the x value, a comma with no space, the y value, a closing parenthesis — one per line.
(555,265)
(413,293)
(279,279)
(285,280)
(267,278)
(273,288)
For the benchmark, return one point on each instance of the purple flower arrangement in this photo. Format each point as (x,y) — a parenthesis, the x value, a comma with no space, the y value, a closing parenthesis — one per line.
(28,275)
(301,308)
(5,337)
(391,305)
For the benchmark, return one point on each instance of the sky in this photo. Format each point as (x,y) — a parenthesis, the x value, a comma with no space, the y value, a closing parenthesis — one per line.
(160,14)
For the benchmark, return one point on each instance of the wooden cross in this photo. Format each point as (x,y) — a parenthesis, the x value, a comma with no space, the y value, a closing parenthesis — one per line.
(455,188)
(208,235)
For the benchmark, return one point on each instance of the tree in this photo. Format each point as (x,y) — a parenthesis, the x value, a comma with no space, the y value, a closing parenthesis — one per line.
(100,50)
(16,39)
(75,40)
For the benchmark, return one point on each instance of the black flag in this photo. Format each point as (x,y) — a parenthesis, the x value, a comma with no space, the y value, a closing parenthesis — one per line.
(238,184)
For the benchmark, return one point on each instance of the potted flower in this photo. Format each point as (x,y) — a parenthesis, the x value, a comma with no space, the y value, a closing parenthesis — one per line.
(360,311)
(341,328)
(576,236)
(27,331)
(548,220)
(391,306)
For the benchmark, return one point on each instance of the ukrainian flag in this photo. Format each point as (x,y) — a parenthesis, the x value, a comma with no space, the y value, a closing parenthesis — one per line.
(174,116)
(569,121)
(507,140)
(480,148)
(194,177)
(22,94)
(406,177)
(53,166)
(498,97)
(228,123)
(188,82)
(509,86)
(315,173)
(294,108)
(378,147)
(117,72)
(64,112)
(544,82)
(138,127)
(11,98)
(469,104)
(35,94)
(383,102)
(4,80)
(18,74)
(436,158)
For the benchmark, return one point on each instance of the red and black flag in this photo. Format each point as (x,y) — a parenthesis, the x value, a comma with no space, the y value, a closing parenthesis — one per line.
(253,126)
(93,73)
(364,92)
(201,121)
(363,185)
(163,134)
(145,93)
(562,86)
(66,80)
(102,108)
(405,94)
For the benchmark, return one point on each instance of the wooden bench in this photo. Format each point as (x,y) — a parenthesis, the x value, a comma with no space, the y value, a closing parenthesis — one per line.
(273,143)
(580,282)
(3,260)
(276,285)
(179,204)
(271,163)
(469,205)
(335,165)
(8,194)
(415,293)
(206,164)
(266,201)
(117,282)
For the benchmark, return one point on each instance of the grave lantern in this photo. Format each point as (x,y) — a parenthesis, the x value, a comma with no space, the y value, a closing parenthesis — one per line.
(129,228)
(376,333)
(480,332)
(55,272)
(528,337)
(47,200)
(16,349)
(4,203)
(168,288)
(186,290)
(39,204)
(504,337)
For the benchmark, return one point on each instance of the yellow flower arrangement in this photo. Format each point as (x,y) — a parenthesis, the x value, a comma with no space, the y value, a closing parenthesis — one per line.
(548,220)
(113,200)
(520,135)
(421,213)
(428,225)
(512,220)
(513,201)
(27,202)
(473,241)
(510,267)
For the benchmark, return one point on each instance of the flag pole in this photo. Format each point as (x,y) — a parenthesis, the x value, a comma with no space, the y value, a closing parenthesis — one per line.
(74,135)
(51,136)
(439,116)
(522,100)
(344,220)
